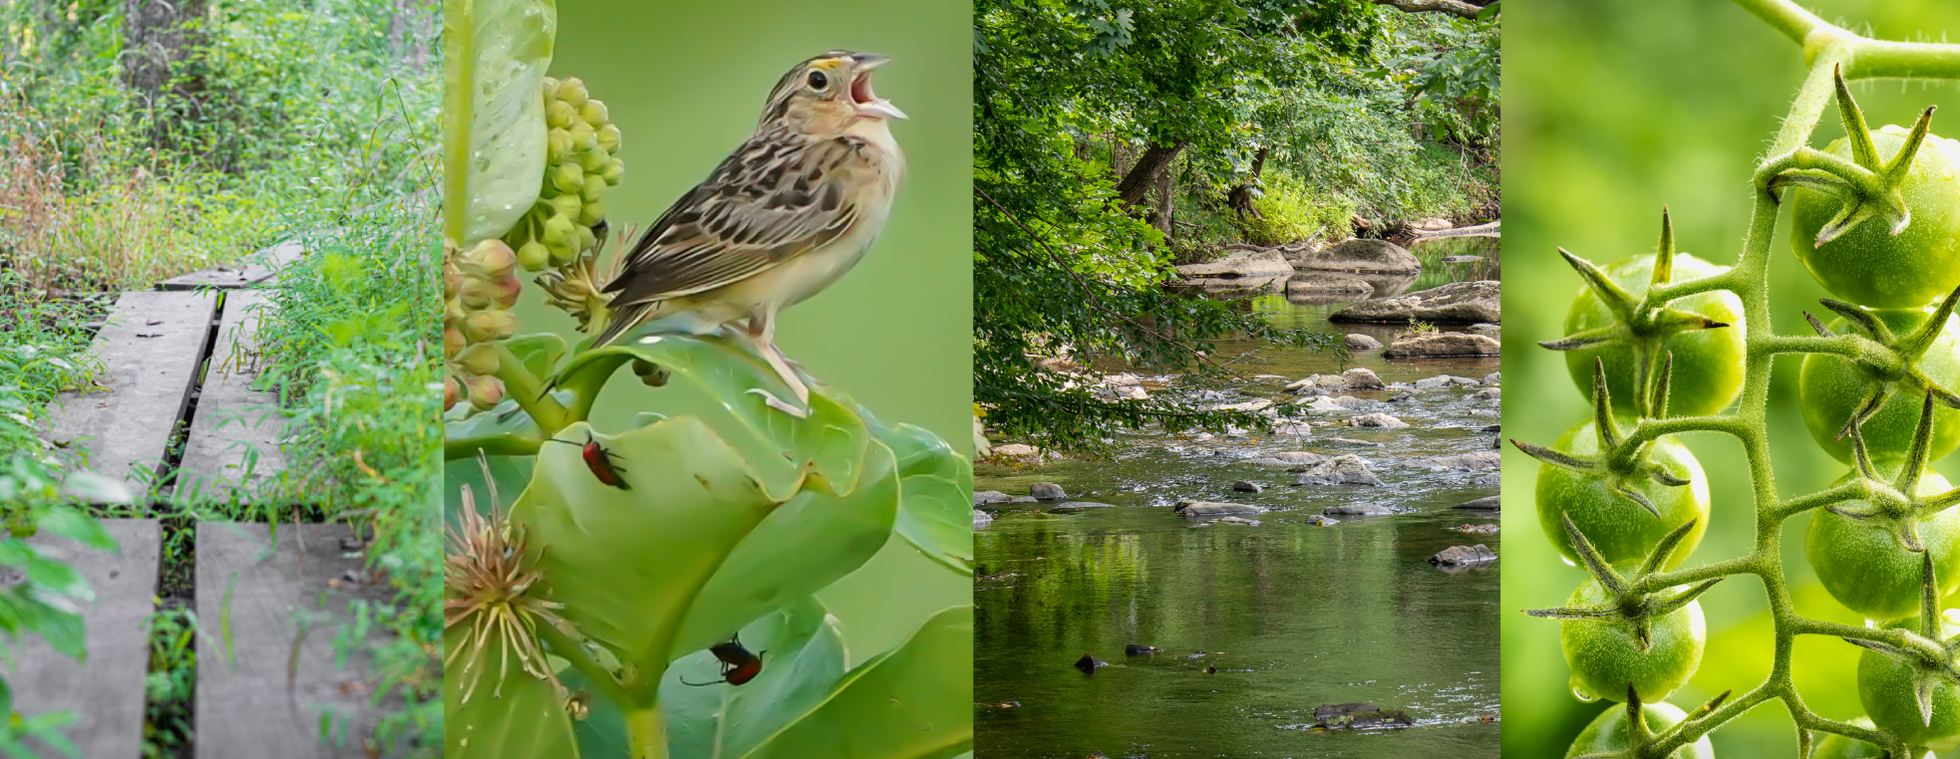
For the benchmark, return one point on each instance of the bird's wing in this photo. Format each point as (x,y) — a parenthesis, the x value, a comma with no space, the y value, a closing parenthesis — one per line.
(772,199)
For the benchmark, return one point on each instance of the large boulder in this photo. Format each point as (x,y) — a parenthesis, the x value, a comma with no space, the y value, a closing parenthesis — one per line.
(1340,470)
(1443,344)
(1329,283)
(1378,419)
(1254,266)
(1360,255)
(1454,303)
(1358,378)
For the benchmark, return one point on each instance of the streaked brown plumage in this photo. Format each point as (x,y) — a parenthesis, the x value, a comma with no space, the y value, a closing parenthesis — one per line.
(786,214)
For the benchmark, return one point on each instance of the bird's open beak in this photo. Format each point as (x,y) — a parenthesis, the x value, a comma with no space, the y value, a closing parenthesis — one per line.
(868,102)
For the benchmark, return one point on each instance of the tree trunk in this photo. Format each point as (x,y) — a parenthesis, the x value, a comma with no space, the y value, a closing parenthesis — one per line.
(1136,182)
(1164,215)
(154,37)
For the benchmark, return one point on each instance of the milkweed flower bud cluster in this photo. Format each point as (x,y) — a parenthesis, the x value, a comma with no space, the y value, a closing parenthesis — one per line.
(579,166)
(478,288)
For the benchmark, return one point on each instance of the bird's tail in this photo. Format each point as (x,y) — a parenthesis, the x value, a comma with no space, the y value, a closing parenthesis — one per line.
(623,320)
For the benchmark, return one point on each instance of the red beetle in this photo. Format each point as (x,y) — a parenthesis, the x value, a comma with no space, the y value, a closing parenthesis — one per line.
(738,664)
(599,460)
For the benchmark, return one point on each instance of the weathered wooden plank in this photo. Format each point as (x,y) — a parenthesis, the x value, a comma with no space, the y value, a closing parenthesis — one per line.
(106,692)
(256,268)
(234,437)
(149,353)
(251,599)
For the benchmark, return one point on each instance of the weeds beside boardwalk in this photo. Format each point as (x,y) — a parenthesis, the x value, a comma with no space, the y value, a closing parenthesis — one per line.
(272,124)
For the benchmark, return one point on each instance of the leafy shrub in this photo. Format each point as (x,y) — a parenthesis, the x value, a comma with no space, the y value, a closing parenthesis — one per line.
(1289,211)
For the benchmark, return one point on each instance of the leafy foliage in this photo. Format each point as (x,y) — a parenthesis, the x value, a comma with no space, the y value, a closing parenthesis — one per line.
(1063,269)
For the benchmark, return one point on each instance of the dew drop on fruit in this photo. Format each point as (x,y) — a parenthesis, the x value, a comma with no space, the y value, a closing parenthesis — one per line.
(1581,692)
(1568,561)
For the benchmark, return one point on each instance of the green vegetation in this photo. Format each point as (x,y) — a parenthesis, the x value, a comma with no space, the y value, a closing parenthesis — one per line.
(576,619)
(140,147)
(1874,234)
(1115,139)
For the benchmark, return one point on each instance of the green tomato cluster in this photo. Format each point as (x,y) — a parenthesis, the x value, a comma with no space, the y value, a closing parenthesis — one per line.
(478,289)
(579,166)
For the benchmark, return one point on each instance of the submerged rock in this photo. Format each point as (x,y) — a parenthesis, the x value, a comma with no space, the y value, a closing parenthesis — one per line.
(1286,458)
(1089,663)
(981,519)
(1140,650)
(1359,342)
(1340,470)
(1378,419)
(1247,486)
(1359,717)
(1462,462)
(1360,510)
(1191,508)
(1464,556)
(1047,491)
(984,497)
(1488,503)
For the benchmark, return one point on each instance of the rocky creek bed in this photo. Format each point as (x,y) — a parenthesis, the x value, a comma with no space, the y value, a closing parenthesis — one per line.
(1269,600)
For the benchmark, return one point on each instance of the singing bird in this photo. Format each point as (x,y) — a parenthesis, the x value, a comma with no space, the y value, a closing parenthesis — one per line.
(783,217)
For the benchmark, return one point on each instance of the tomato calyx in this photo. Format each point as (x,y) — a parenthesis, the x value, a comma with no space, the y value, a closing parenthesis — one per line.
(1637,610)
(1930,657)
(1637,323)
(1869,187)
(1642,741)
(1895,364)
(1897,503)
(1620,470)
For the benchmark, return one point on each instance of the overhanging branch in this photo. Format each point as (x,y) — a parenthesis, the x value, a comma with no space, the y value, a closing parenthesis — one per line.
(1453,7)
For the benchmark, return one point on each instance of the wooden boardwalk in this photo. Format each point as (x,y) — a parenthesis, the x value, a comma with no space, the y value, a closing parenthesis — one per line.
(106,691)
(175,417)
(265,663)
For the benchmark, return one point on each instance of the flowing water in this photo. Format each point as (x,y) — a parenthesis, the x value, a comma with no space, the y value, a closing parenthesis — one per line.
(1258,624)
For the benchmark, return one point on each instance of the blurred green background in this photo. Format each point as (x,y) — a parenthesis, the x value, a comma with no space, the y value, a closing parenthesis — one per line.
(685,83)
(1611,110)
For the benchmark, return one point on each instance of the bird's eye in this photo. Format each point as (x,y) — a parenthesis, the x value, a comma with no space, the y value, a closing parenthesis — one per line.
(818,81)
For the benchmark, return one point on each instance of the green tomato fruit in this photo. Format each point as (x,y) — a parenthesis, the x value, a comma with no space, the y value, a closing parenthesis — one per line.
(1608,732)
(1885,688)
(1605,658)
(1834,746)
(1869,265)
(1622,530)
(1866,569)
(1831,389)
(1708,363)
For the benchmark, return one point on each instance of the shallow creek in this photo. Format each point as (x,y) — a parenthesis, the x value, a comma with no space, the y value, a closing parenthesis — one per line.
(1258,624)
